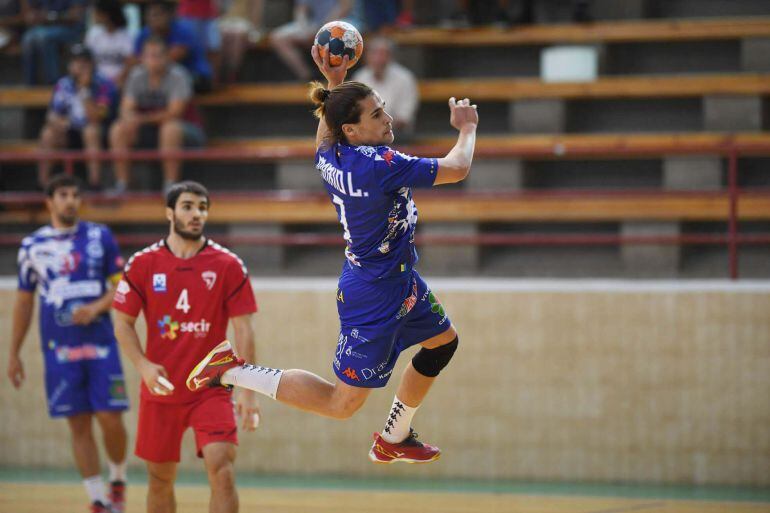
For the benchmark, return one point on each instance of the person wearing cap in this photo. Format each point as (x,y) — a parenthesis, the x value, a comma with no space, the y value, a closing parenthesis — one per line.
(81,104)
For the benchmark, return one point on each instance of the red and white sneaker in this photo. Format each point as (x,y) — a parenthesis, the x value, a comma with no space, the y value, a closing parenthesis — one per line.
(208,373)
(408,451)
(98,507)
(117,496)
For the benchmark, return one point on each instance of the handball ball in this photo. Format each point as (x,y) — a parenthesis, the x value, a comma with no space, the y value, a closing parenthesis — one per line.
(339,39)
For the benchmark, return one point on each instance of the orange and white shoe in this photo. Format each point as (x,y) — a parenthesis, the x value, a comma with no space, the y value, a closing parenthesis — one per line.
(208,373)
(408,451)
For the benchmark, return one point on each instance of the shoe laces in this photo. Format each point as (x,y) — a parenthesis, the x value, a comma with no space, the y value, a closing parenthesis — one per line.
(98,507)
(412,439)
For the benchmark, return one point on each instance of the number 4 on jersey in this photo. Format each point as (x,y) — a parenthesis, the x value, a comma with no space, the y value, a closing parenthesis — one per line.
(183,303)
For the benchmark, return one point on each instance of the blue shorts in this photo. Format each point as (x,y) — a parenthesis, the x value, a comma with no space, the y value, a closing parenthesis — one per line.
(206,31)
(84,379)
(379,320)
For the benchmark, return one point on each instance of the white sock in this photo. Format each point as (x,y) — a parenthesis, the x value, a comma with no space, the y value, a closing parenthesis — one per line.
(94,486)
(117,471)
(399,421)
(254,377)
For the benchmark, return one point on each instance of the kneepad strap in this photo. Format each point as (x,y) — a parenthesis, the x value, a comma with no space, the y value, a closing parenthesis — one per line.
(430,362)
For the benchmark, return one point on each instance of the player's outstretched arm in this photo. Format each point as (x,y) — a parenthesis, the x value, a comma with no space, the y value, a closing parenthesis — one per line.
(335,75)
(457,163)
(153,375)
(22,316)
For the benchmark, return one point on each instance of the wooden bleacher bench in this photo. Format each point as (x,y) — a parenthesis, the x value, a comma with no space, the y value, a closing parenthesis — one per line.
(286,207)
(479,89)
(535,147)
(600,32)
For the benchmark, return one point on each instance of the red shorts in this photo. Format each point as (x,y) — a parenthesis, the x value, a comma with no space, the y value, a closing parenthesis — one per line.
(161,426)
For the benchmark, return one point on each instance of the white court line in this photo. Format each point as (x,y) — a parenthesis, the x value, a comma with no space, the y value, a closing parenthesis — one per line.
(513,285)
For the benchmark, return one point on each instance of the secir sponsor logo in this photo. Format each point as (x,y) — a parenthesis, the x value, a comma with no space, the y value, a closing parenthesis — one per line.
(170,329)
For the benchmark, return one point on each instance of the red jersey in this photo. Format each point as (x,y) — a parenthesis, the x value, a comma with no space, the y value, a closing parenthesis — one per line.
(202,9)
(186,304)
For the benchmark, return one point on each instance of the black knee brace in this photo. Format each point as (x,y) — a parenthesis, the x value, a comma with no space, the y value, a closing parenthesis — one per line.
(430,362)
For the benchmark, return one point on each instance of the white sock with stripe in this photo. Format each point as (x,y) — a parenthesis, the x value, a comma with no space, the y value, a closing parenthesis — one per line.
(117,471)
(254,377)
(94,486)
(399,421)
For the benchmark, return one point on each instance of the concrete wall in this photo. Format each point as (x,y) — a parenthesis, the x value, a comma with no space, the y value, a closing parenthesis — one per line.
(595,381)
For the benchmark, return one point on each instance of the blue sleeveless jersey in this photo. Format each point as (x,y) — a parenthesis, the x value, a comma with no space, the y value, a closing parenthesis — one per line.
(69,268)
(371,188)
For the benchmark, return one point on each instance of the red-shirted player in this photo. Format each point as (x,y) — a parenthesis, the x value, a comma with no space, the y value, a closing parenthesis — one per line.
(188,287)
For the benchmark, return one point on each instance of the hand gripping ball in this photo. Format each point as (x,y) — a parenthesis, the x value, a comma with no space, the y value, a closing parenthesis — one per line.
(339,39)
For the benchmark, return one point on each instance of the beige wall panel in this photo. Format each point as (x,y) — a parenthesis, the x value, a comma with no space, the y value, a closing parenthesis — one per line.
(660,386)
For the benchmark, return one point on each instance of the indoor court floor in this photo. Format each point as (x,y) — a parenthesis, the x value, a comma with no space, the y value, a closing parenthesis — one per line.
(283,495)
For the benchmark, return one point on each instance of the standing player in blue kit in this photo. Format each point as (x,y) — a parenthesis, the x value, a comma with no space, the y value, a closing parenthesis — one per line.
(384,305)
(73,265)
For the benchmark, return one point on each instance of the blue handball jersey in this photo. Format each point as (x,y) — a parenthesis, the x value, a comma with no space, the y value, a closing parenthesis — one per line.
(371,188)
(69,268)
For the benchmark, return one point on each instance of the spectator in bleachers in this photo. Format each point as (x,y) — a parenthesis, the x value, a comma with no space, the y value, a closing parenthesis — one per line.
(479,12)
(81,105)
(406,14)
(10,19)
(379,14)
(109,40)
(395,83)
(201,16)
(51,25)
(291,41)
(240,26)
(526,16)
(155,112)
(183,46)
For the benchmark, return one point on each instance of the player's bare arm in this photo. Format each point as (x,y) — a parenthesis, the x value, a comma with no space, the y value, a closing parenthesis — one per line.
(457,163)
(334,75)
(22,316)
(246,402)
(153,375)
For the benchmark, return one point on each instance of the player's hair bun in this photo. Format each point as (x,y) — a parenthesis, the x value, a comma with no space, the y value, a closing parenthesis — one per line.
(318,95)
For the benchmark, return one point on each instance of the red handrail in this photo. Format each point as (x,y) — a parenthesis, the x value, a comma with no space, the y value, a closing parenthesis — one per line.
(486,239)
(726,146)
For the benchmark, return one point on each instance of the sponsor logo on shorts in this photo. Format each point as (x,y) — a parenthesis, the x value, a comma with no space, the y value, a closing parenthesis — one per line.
(368,373)
(117,389)
(349,352)
(435,306)
(66,354)
(350,373)
(340,296)
(409,302)
(56,395)
(341,343)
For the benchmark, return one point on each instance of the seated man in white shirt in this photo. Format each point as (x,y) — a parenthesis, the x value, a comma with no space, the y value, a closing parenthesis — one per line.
(395,83)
